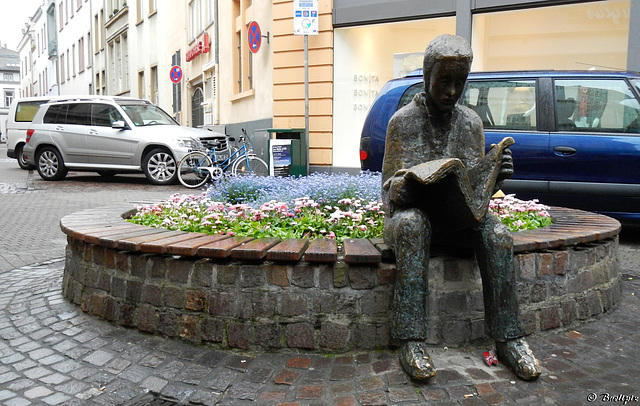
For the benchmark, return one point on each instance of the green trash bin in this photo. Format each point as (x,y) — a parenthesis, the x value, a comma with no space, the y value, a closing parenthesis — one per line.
(287,152)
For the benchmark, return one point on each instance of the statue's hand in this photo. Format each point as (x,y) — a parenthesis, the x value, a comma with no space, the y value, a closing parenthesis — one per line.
(506,165)
(400,173)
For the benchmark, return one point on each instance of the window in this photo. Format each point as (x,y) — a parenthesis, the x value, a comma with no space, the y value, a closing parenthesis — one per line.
(61,15)
(242,62)
(154,85)
(78,114)
(89,50)
(141,85)
(73,59)
(139,10)
(104,115)
(596,105)
(81,55)
(56,114)
(118,67)
(67,67)
(9,95)
(25,111)
(196,15)
(62,70)
(211,11)
(503,104)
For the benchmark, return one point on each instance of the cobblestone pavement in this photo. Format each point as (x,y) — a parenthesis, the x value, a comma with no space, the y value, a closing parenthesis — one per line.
(53,354)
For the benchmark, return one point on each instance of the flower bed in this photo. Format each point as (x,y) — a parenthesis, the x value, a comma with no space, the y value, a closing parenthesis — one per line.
(331,206)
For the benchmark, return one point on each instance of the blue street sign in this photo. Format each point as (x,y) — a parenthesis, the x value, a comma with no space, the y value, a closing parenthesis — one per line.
(255,37)
(176,74)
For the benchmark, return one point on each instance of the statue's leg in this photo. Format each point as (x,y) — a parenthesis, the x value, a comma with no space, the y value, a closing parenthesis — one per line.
(409,233)
(494,252)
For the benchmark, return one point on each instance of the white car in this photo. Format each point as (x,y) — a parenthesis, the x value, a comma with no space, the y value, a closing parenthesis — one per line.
(110,135)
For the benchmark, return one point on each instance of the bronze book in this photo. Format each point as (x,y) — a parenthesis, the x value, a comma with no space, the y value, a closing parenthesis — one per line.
(443,190)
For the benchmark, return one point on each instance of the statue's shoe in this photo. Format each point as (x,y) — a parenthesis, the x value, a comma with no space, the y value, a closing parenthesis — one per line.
(416,361)
(517,355)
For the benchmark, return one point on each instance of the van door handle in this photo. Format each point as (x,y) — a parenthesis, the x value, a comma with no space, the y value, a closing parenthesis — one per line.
(564,151)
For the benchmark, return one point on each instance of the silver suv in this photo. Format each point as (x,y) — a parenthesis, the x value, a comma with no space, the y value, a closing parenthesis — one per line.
(109,135)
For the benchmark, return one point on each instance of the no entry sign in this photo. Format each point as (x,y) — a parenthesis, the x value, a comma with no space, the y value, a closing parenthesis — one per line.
(175,74)
(254,37)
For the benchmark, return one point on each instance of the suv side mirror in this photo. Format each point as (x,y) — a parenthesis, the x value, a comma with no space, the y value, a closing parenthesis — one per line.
(118,125)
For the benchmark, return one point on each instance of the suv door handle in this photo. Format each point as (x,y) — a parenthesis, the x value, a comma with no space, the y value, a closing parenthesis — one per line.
(93,132)
(59,128)
(564,151)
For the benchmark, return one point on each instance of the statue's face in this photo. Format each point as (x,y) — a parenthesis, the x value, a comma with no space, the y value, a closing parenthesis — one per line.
(446,83)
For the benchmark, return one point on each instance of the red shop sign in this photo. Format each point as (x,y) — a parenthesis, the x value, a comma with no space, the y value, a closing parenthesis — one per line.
(202,47)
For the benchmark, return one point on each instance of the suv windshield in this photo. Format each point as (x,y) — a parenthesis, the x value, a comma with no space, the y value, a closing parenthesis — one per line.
(147,114)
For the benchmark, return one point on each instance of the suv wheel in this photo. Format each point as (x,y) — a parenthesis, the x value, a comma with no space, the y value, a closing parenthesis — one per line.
(50,164)
(21,161)
(160,167)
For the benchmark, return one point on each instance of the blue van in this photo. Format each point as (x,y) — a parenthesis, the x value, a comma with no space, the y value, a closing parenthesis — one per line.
(577,133)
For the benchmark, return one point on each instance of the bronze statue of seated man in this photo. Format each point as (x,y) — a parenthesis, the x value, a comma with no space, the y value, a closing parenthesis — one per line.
(437,182)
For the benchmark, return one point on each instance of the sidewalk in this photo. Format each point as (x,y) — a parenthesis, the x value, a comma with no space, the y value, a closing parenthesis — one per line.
(53,354)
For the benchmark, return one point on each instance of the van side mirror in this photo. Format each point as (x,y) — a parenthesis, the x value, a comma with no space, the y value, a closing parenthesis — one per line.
(118,125)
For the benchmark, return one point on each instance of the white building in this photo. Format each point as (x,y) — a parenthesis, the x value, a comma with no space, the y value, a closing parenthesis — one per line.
(75,56)
(9,85)
(38,54)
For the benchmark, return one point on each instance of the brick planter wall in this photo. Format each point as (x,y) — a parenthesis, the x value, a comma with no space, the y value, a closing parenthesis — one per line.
(186,286)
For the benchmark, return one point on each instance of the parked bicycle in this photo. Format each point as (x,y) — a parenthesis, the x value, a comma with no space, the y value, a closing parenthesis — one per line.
(196,168)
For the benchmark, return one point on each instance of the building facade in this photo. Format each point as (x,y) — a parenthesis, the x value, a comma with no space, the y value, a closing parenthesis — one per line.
(9,85)
(241,66)
(38,54)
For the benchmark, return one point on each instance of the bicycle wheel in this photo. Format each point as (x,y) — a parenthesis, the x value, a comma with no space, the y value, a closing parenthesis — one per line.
(193,169)
(250,165)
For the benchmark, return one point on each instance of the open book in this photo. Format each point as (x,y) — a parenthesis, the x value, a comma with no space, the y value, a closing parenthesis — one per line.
(443,190)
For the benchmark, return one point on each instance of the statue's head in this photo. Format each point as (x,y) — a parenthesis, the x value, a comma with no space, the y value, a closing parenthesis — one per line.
(447,62)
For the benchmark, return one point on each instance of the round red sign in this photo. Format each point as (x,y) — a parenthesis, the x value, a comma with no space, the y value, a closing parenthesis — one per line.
(175,74)
(255,37)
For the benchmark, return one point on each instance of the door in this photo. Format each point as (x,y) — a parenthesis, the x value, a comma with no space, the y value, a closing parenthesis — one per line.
(111,147)
(197,110)
(508,108)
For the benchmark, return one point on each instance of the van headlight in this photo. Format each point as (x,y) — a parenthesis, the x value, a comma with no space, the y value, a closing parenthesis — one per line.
(190,143)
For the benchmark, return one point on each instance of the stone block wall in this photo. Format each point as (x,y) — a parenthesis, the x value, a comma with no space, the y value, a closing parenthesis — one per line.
(328,307)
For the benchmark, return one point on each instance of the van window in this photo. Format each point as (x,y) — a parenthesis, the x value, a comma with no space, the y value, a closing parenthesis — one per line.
(596,105)
(25,111)
(504,105)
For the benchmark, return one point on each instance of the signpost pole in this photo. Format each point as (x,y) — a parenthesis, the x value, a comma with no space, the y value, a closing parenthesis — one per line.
(306,97)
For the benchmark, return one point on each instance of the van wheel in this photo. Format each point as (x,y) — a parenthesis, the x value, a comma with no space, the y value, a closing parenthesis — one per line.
(21,161)
(50,164)
(160,167)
